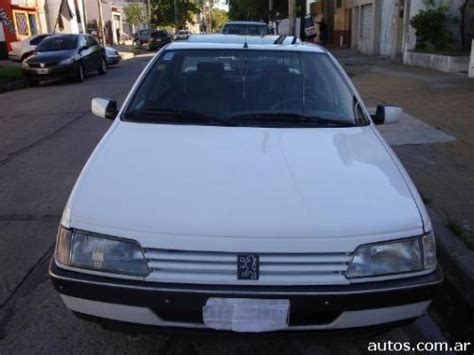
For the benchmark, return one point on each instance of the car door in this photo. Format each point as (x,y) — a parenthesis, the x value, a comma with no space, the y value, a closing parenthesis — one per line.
(96,52)
(85,54)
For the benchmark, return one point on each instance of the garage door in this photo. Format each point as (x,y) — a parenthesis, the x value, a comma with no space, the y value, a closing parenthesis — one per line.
(367,21)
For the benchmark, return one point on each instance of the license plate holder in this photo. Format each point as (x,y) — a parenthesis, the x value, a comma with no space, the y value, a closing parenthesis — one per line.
(246,314)
(42,71)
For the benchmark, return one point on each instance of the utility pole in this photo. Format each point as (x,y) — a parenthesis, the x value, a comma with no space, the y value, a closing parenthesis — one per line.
(292,17)
(101,23)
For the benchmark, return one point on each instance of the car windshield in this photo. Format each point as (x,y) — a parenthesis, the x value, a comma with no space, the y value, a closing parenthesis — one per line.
(245,87)
(244,29)
(57,43)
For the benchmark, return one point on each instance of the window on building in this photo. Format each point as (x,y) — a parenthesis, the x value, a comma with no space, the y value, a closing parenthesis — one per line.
(21,22)
(33,26)
(338,4)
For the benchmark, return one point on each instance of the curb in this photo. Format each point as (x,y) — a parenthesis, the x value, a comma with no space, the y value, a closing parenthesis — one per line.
(14,85)
(455,258)
(127,55)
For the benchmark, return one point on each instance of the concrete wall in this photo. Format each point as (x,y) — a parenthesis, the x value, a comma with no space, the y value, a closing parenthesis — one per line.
(449,64)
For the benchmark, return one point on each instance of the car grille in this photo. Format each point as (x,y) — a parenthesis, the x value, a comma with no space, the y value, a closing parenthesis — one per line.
(221,267)
(38,65)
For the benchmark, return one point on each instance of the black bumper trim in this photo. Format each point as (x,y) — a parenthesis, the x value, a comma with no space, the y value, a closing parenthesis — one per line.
(183,303)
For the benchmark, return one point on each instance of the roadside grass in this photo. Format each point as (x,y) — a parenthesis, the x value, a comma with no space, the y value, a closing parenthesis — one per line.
(138,50)
(459,229)
(8,74)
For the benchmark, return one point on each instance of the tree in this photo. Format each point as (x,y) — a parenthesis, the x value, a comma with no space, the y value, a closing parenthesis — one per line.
(134,13)
(466,25)
(163,12)
(219,18)
(255,9)
(431,31)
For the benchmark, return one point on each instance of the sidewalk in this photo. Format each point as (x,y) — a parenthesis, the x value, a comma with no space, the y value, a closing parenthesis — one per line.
(443,172)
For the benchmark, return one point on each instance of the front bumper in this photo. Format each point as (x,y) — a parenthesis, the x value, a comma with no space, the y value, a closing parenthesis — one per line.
(112,60)
(311,307)
(60,71)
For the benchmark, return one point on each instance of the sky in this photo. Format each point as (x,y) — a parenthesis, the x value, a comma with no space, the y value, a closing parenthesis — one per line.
(221,4)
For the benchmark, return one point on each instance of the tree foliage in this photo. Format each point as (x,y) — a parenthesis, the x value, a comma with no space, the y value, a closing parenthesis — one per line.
(134,13)
(163,12)
(219,18)
(255,9)
(431,30)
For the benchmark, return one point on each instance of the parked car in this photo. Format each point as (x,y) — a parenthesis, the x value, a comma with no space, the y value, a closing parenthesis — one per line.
(112,56)
(159,39)
(251,28)
(182,35)
(23,49)
(141,37)
(257,202)
(65,56)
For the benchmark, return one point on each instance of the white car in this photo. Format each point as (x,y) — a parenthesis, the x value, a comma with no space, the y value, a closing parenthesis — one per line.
(112,56)
(22,49)
(244,186)
(182,35)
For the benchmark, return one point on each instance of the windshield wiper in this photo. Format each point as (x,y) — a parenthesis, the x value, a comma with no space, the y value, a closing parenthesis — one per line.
(293,119)
(176,117)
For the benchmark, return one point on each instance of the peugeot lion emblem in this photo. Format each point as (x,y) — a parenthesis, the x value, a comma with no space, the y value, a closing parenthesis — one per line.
(42,65)
(248,267)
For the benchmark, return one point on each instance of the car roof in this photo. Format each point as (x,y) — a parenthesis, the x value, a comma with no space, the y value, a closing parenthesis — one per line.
(241,39)
(246,23)
(269,42)
(58,35)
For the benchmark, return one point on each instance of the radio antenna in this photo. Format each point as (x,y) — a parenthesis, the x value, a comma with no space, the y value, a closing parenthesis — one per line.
(246,45)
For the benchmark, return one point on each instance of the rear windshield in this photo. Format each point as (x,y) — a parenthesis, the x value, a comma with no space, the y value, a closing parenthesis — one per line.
(158,34)
(243,29)
(245,87)
(57,43)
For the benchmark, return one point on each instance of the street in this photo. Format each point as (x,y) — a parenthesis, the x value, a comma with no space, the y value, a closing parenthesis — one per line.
(46,136)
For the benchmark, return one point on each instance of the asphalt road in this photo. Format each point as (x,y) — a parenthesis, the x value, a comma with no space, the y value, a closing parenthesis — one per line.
(46,135)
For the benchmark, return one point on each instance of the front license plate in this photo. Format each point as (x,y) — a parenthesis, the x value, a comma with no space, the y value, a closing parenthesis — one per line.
(246,314)
(42,71)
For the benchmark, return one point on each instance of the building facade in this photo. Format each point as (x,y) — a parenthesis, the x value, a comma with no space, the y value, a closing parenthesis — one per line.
(20,19)
(75,25)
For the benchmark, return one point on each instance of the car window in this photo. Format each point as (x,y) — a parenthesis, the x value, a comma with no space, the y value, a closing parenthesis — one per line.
(35,41)
(91,42)
(83,42)
(243,29)
(236,83)
(58,43)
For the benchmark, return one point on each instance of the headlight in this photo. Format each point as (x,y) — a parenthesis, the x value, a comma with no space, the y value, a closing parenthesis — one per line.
(66,61)
(98,252)
(395,257)
(25,64)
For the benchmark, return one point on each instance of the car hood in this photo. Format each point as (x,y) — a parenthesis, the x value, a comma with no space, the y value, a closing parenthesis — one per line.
(252,182)
(51,57)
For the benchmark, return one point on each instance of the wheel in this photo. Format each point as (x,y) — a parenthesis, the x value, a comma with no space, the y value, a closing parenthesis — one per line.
(103,67)
(80,75)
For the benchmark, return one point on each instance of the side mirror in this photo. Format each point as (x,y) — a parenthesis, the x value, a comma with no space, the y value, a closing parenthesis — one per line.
(104,108)
(83,48)
(387,114)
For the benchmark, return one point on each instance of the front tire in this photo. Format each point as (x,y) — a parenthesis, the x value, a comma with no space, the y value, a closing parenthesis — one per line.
(80,75)
(102,67)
